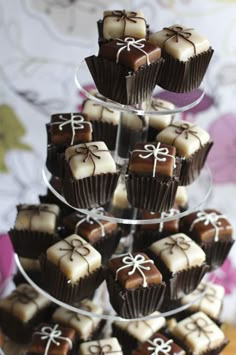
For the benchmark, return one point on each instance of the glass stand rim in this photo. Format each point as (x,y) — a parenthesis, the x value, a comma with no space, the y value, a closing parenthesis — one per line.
(102,316)
(92,213)
(186,101)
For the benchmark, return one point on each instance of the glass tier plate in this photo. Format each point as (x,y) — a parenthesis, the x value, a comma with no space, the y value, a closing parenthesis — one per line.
(182,101)
(198,193)
(102,298)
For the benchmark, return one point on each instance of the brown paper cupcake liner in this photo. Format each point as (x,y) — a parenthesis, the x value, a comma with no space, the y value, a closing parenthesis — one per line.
(127,341)
(53,160)
(116,83)
(151,194)
(30,244)
(191,167)
(216,252)
(89,192)
(134,303)
(56,283)
(143,239)
(107,245)
(106,132)
(179,76)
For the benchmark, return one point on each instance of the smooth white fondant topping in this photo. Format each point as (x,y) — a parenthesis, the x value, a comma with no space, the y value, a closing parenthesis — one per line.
(101,113)
(101,347)
(53,336)
(151,150)
(181,197)
(76,122)
(137,262)
(129,42)
(160,345)
(158,121)
(91,220)
(209,218)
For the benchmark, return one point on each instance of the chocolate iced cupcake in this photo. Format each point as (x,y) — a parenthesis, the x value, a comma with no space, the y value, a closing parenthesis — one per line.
(159,344)
(21,311)
(50,339)
(212,231)
(64,130)
(86,327)
(182,263)
(146,234)
(90,175)
(187,55)
(133,333)
(210,302)
(135,285)
(35,229)
(192,145)
(126,70)
(152,176)
(71,269)
(104,121)
(103,346)
(103,235)
(120,24)
(198,334)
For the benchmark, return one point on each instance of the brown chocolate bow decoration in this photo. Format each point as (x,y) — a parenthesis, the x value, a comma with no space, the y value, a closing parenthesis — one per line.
(178,31)
(199,325)
(179,243)
(101,349)
(36,210)
(210,292)
(24,296)
(77,316)
(186,130)
(76,246)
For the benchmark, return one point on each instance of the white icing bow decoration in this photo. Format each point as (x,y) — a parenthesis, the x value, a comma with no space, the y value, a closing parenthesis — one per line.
(164,214)
(52,335)
(129,42)
(76,121)
(160,346)
(137,262)
(209,218)
(92,220)
(150,150)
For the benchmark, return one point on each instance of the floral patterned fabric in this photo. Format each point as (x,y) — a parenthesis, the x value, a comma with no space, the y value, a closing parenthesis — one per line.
(43,41)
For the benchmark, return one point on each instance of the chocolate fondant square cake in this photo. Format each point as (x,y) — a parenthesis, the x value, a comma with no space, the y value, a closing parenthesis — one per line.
(187,55)
(133,278)
(35,229)
(152,176)
(181,261)
(103,346)
(71,269)
(90,175)
(212,231)
(192,144)
(21,310)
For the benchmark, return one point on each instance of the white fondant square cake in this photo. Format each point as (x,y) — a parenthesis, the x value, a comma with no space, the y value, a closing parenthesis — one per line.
(103,346)
(96,112)
(157,120)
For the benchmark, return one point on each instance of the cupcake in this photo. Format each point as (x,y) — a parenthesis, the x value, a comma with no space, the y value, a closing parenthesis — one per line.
(120,24)
(152,176)
(182,263)
(90,175)
(64,130)
(35,229)
(135,285)
(146,234)
(187,55)
(103,346)
(198,334)
(159,344)
(157,121)
(102,234)
(212,231)
(71,269)
(50,339)
(126,69)
(86,327)
(208,298)
(133,333)
(104,121)
(192,144)
(32,269)
(21,311)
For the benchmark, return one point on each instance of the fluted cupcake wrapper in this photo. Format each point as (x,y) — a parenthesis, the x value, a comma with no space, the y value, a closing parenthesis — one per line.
(89,192)
(216,252)
(180,76)
(107,245)
(56,283)
(143,239)
(115,82)
(191,167)
(54,160)
(105,131)
(151,194)
(30,244)
(136,302)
